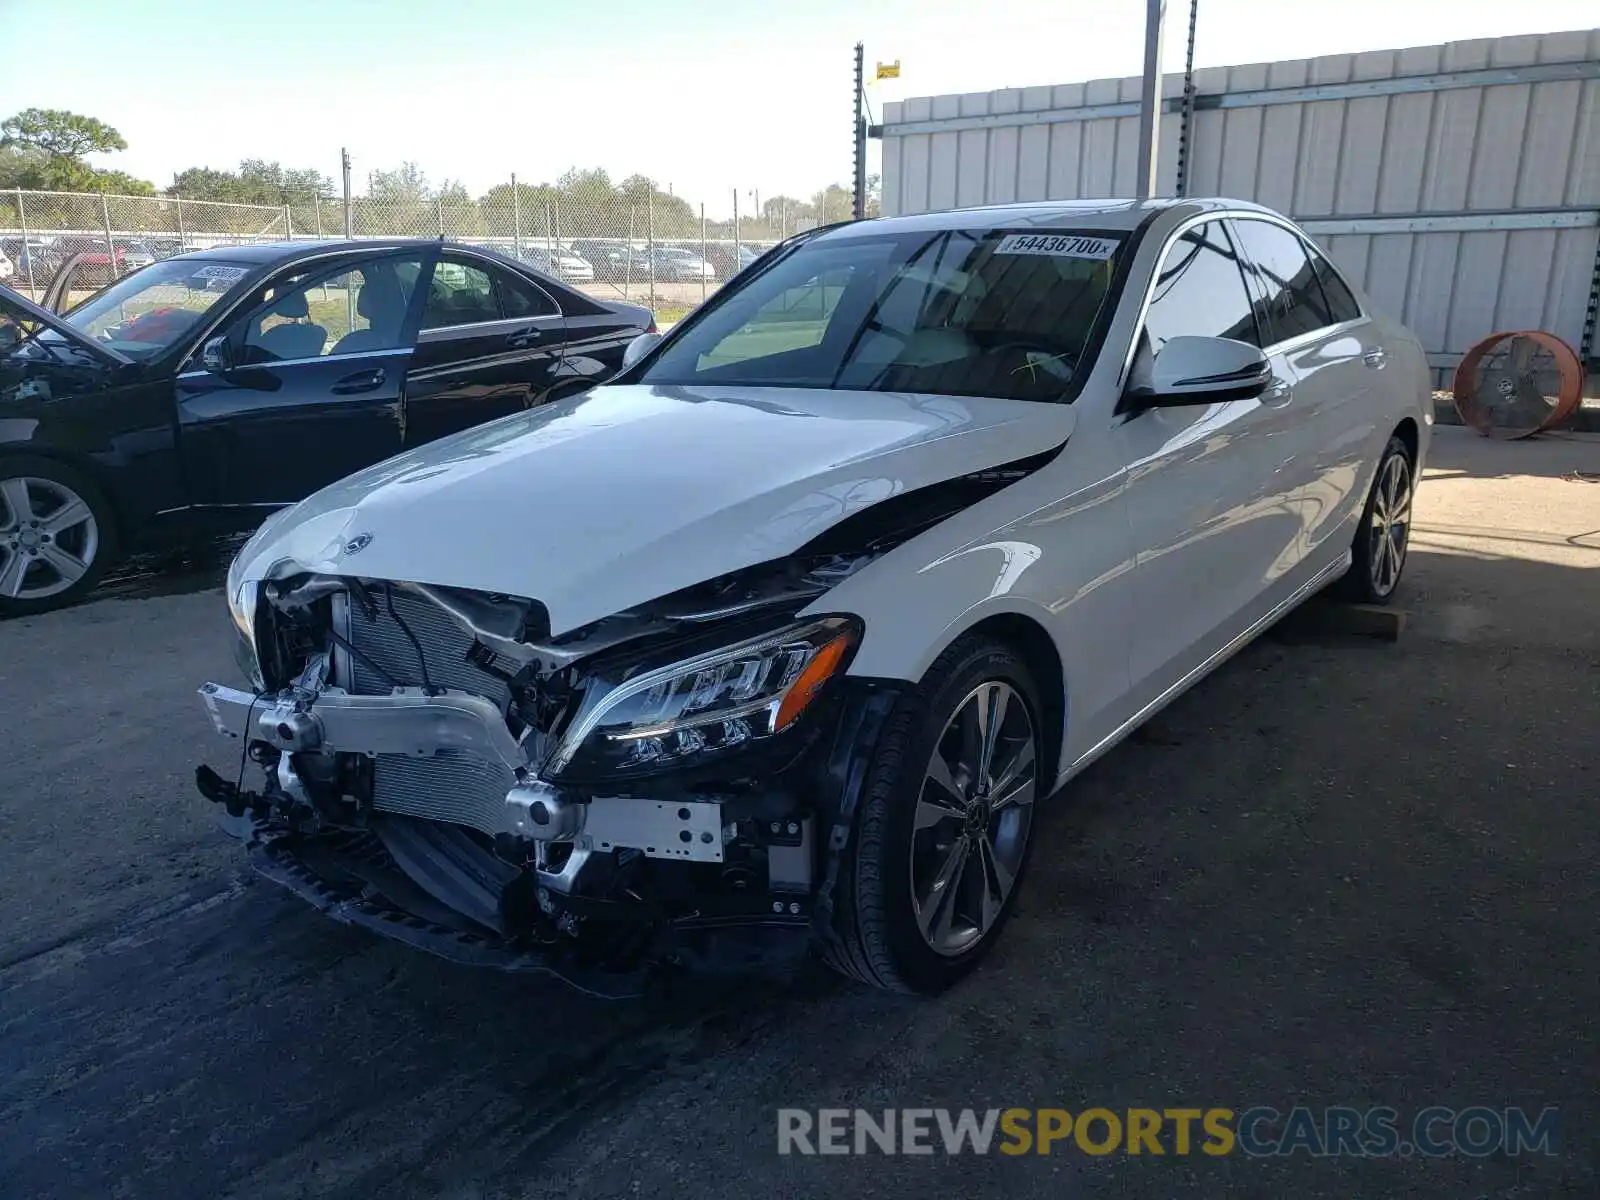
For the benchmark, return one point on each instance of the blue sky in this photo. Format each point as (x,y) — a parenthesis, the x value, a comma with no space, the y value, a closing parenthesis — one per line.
(705,95)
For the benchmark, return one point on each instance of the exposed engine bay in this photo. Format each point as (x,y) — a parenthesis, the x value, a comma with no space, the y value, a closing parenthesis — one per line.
(668,784)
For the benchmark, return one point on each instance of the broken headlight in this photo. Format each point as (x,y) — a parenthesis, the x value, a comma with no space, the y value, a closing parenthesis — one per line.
(243,597)
(715,702)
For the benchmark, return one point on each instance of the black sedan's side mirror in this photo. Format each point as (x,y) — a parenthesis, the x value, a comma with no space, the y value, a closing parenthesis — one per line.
(217,356)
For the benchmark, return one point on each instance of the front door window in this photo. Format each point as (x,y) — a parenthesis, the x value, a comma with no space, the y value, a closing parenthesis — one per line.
(361,309)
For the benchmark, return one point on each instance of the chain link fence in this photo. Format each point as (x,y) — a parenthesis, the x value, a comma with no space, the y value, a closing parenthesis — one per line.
(657,249)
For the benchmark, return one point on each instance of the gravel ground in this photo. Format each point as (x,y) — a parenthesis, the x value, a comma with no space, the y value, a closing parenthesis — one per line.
(1339,872)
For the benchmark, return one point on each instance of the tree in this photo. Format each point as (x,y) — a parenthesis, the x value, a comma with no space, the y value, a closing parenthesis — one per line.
(60,134)
(120,183)
(257,182)
(832,203)
(270,183)
(782,210)
(19,164)
(43,148)
(406,183)
(529,210)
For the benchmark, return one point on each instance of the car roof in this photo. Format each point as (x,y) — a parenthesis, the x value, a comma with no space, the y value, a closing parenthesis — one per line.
(1110,214)
(275,252)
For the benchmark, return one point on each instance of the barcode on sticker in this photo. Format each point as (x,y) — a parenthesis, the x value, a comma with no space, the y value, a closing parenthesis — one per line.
(1062,246)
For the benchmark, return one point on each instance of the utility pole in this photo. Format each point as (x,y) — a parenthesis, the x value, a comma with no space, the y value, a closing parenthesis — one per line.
(858,205)
(1150,98)
(344,166)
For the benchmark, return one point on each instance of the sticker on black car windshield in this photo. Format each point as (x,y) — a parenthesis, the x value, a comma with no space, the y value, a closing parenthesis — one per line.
(221,274)
(1061,246)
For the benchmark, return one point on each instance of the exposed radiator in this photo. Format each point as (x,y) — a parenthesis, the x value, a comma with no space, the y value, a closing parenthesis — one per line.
(444,643)
(451,786)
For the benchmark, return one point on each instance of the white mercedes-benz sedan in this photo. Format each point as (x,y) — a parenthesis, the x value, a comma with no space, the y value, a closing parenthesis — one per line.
(775,642)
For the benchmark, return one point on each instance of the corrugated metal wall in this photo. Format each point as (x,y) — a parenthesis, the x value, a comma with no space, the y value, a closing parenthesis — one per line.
(1458,184)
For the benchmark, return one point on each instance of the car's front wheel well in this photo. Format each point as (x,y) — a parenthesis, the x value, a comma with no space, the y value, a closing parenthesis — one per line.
(1407,432)
(1030,641)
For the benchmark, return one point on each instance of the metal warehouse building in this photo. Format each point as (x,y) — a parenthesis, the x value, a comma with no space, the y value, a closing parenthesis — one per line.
(1459,184)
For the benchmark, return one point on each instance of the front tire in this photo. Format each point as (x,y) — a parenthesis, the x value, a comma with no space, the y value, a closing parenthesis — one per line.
(944,826)
(56,535)
(1383,538)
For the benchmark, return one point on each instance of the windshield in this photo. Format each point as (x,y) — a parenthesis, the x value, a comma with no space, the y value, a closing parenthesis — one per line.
(952,312)
(147,312)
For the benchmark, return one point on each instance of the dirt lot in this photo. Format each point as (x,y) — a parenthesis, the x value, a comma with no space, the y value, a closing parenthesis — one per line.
(1339,872)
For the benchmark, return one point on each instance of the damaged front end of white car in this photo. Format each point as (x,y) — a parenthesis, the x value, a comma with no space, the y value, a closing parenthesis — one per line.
(495,774)
(436,767)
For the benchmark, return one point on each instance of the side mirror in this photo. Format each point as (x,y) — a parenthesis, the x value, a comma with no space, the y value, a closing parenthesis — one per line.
(217,356)
(638,348)
(1203,370)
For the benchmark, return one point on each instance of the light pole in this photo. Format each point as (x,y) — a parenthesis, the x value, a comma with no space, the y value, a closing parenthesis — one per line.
(1150,98)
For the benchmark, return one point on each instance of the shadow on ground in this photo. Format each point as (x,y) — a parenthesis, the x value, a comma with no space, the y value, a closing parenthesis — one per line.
(1338,872)
(192,567)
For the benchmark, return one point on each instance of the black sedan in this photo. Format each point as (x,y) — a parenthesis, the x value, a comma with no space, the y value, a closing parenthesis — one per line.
(207,389)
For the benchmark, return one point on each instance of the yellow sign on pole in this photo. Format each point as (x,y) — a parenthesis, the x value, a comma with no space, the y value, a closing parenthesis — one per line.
(889,70)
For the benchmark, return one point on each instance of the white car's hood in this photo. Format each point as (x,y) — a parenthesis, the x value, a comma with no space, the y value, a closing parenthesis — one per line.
(597,503)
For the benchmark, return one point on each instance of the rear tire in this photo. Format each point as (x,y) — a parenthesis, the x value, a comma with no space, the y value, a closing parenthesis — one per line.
(1383,538)
(57,535)
(943,831)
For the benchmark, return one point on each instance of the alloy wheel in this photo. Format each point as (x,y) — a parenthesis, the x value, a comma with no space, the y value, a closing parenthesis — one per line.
(974,813)
(48,538)
(1391,523)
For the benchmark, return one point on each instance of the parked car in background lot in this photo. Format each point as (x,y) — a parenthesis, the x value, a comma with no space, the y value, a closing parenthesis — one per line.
(7,267)
(728,260)
(213,387)
(563,264)
(136,254)
(677,264)
(613,262)
(779,637)
(33,255)
(93,264)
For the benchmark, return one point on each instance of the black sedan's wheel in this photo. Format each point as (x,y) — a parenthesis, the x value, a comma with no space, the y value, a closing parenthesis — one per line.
(56,536)
(942,832)
(1384,535)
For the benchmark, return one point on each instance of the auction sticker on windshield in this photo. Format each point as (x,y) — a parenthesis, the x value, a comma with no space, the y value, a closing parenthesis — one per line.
(1061,246)
(222,274)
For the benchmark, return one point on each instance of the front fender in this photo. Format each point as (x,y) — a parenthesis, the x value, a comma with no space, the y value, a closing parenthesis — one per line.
(1021,554)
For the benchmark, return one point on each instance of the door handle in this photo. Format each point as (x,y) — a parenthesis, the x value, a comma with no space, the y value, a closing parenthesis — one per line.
(1278,393)
(524,337)
(361,381)
(1375,359)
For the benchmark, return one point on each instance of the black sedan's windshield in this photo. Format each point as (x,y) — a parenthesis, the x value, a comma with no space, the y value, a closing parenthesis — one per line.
(147,312)
(947,312)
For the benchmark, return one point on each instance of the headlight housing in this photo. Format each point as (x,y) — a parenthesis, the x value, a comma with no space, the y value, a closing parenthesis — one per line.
(243,597)
(701,707)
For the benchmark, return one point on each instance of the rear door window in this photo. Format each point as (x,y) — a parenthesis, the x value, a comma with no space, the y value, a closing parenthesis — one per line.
(518,298)
(1291,298)
(1341,301)
(460,294)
